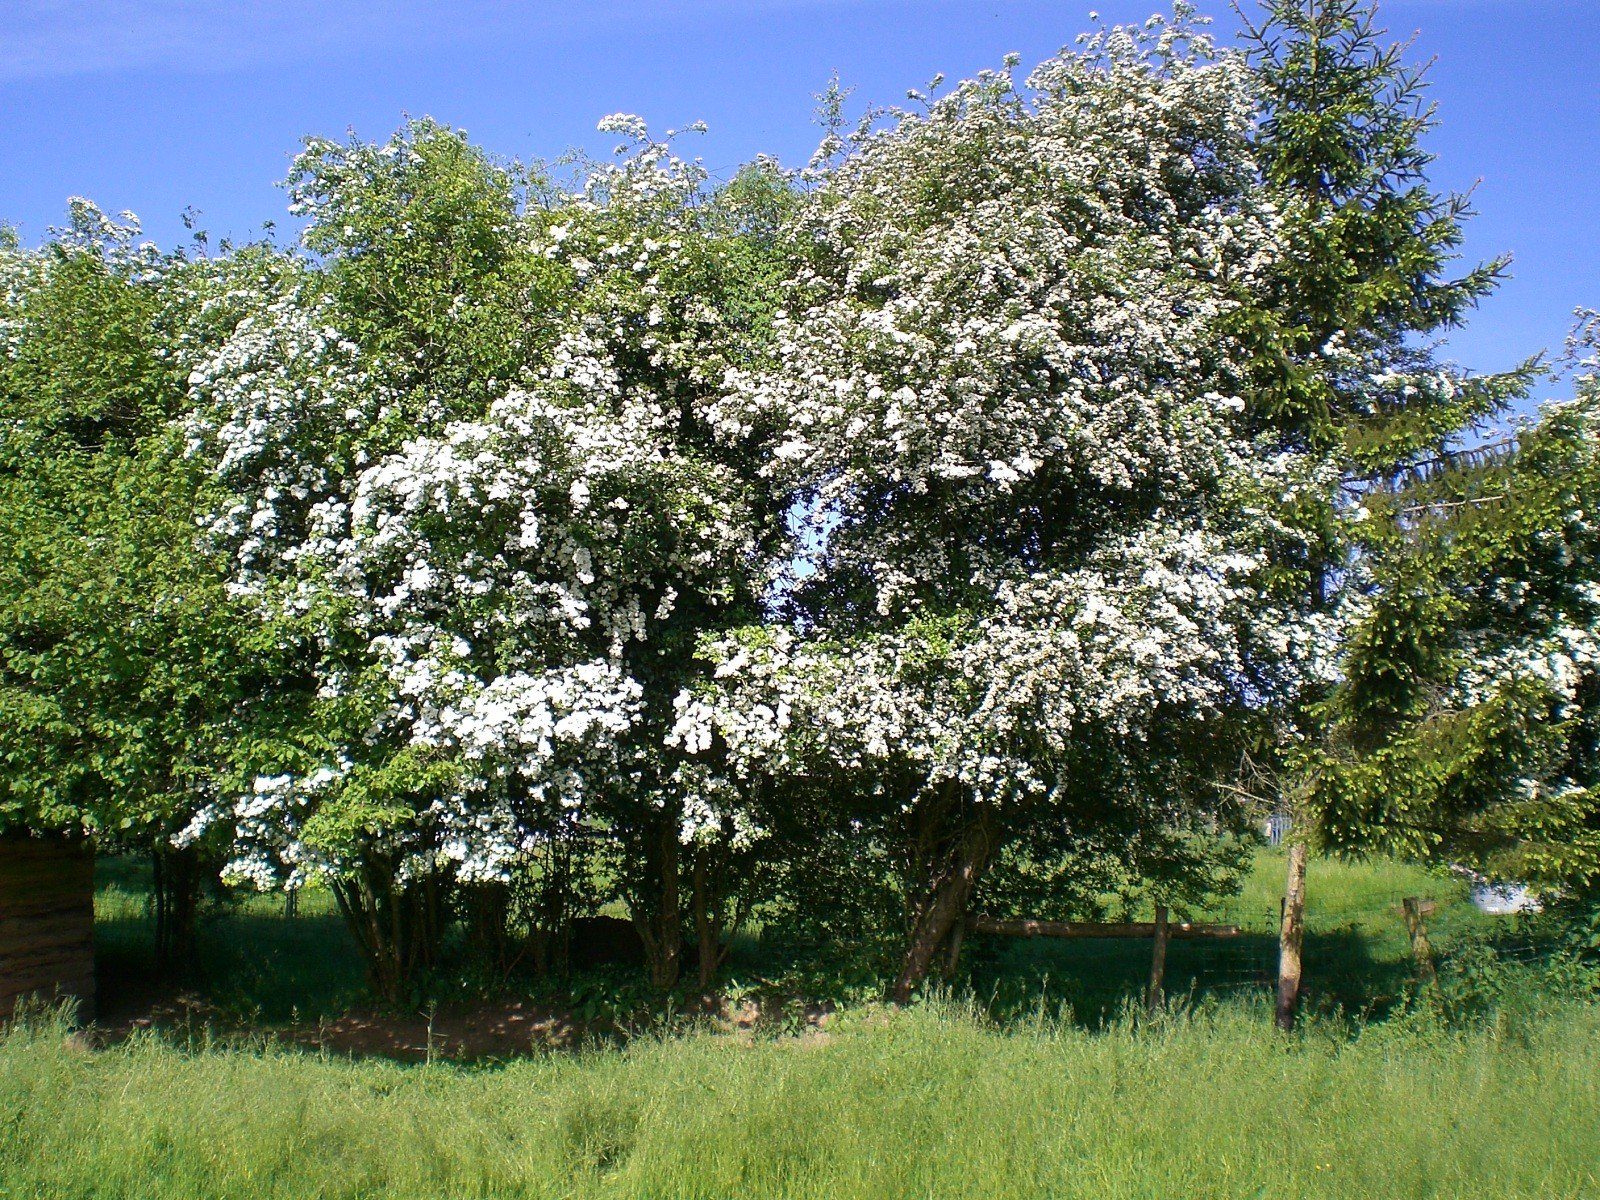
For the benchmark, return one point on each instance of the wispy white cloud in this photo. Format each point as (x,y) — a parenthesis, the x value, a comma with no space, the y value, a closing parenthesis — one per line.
(60,37)
(69,37)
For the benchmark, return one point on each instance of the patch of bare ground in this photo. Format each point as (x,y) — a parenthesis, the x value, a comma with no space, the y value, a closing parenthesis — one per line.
(461,1032)
(464,1031)
(457,1031)
(744,1018)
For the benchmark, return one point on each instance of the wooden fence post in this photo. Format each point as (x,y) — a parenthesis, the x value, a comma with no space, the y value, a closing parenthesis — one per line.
(1291,938)
(1421,949)
(1158,961)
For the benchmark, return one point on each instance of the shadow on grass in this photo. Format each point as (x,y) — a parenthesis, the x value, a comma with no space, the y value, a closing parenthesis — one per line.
(1099,978)
(255,965)
(259,968)
(252,968)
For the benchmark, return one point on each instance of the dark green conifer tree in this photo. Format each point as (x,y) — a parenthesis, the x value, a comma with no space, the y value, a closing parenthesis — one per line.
(1345,364)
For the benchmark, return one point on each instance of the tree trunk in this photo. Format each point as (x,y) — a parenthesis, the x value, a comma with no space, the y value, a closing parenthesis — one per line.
(721,902)
(395,924)
(1291,938)
(1158,962)
(486,912)
(550,910)
(944,908)
(1422,950)
(659,919)
(358,902)
(707,922)
(179,874)
(952,959)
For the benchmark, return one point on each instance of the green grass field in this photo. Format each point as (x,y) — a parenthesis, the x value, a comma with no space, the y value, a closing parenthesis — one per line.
(931,1102)
(1057,1089)
(1358,956)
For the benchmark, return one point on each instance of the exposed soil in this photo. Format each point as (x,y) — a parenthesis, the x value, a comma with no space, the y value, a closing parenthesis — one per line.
(460,1031)
(132,1001)
(479,1031)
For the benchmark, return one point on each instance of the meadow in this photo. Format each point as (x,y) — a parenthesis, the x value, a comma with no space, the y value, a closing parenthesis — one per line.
(1042,1077)
(934,1101)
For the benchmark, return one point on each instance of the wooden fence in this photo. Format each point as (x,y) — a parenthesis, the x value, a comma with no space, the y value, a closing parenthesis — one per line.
(46,921)
(1159,931)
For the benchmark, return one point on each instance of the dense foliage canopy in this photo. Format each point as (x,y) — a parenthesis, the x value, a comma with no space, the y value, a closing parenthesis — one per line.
(982,512)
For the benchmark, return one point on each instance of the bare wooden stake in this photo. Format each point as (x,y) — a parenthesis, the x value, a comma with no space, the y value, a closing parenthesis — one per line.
(1421,948)
(1291,938)
(1158,961)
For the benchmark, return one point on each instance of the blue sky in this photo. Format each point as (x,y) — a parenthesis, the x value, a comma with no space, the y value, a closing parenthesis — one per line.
(155,105)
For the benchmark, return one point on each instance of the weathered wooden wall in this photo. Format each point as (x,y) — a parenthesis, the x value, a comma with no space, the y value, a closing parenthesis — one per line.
(46,921)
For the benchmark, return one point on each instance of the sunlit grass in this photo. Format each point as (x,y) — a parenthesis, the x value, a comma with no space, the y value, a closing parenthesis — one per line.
(932,1102)
(1206,1101)
(1358,954)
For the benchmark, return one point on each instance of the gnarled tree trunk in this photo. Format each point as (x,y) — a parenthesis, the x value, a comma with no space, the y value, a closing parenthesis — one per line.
(396,923)
(942,912)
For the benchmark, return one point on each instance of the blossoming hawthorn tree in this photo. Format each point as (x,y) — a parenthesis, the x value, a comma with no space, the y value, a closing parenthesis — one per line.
(989,496)
(675,289)
(501,577)
(1005,388)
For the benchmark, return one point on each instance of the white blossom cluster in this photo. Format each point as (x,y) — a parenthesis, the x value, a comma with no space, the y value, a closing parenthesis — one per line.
(1004,387)
(1150,634)
(1016,282)
(481,591)
(1548,633)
